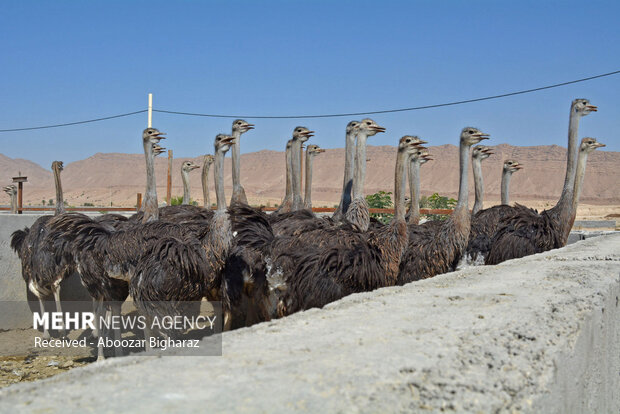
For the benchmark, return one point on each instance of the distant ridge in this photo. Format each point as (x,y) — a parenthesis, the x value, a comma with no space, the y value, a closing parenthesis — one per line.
(117,177)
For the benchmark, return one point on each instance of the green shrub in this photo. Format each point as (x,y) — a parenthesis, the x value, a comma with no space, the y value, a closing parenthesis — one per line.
(382,199)
(437,201)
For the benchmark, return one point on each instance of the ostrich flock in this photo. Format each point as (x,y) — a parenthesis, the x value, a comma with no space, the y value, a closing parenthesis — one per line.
(263,266)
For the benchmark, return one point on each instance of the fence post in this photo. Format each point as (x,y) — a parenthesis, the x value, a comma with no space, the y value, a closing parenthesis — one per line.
(138,201)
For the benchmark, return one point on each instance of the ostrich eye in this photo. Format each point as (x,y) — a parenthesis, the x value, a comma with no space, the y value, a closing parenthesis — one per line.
(470,131)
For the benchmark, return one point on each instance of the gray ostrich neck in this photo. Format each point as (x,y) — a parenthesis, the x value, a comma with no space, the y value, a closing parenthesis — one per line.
(478,185)
(414,191)
(219,180)
(60,204)
(205,185)
(289,172)
(151,211)
(571,154)
(579,175)
(236,160)
(185,177)
(308,189)
(360,166)
(506,175)
(463,200)
(296,174)
(400,180)
(14,203)
(349,165)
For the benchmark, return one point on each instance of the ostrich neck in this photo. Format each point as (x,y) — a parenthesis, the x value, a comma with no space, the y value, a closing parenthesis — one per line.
(296,173)
(151,211)
(185,177)
(13,203)
(506,175)
(571,153)
(205,185)
(289,172)
(236,160)
(219,180)
(414,191)
(579,175)
(400,180)
(478,185)
(349,164)
(308,188)
(360,166)
(461,205)
(60,204)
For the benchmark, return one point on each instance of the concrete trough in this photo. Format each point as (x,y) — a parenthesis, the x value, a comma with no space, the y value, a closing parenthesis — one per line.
(538,334)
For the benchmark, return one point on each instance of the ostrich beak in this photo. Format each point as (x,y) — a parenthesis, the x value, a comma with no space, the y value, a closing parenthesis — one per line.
(229,140)
(592,108)
(481,135)
(308,134)
(320,150)
(599,145)
(518,166)
(249,126)
(423,142)
(378,128)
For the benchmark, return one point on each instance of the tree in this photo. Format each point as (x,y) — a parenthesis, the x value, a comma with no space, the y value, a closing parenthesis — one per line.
(382,199)
(437,201)
(50,202)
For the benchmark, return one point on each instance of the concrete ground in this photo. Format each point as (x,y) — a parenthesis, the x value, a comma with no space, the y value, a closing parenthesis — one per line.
(538,334)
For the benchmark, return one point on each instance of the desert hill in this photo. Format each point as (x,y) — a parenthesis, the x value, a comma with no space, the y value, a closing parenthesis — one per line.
(115,177)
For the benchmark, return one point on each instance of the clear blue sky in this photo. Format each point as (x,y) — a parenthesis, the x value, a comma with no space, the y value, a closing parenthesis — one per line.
(66,61)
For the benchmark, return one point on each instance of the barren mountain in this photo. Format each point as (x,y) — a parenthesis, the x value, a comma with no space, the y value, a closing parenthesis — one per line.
(104,178)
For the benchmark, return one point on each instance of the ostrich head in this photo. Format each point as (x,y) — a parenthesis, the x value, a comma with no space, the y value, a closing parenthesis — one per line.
(208,159)
(157,149)
(302,134)
(353,126)
(481,152)
(189,166)
(370,127)
(223,142)
(471,136)
(512,166)
(152,135)
(408,144)
(241,126)
(425,156)
(582,107)
(416,140)
(10,189)
(314,149)
(57,166)
(589,144)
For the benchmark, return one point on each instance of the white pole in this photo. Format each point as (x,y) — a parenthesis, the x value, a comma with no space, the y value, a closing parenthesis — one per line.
(150,110)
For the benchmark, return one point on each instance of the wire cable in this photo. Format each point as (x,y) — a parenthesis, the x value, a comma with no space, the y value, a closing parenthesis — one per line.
(415,108)
(74,123)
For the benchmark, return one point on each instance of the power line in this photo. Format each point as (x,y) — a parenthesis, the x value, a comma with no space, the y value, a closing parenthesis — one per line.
(415,108)
(73,123)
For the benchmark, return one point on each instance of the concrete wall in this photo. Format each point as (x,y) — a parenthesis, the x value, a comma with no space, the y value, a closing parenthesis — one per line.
(12,285)
(535,335)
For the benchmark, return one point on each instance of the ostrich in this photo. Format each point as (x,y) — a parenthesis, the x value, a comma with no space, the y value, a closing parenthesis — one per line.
(527,232)
(435,249)
(187,267)
(484,223)
(11,190)
(325,275)
(311,152)
(349,166)
(158,150)
(357,213)
(186,168)
(300,135)
(44,266)
(208,160)
(239,127)
(478,154)
(421,156)
(150,136)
